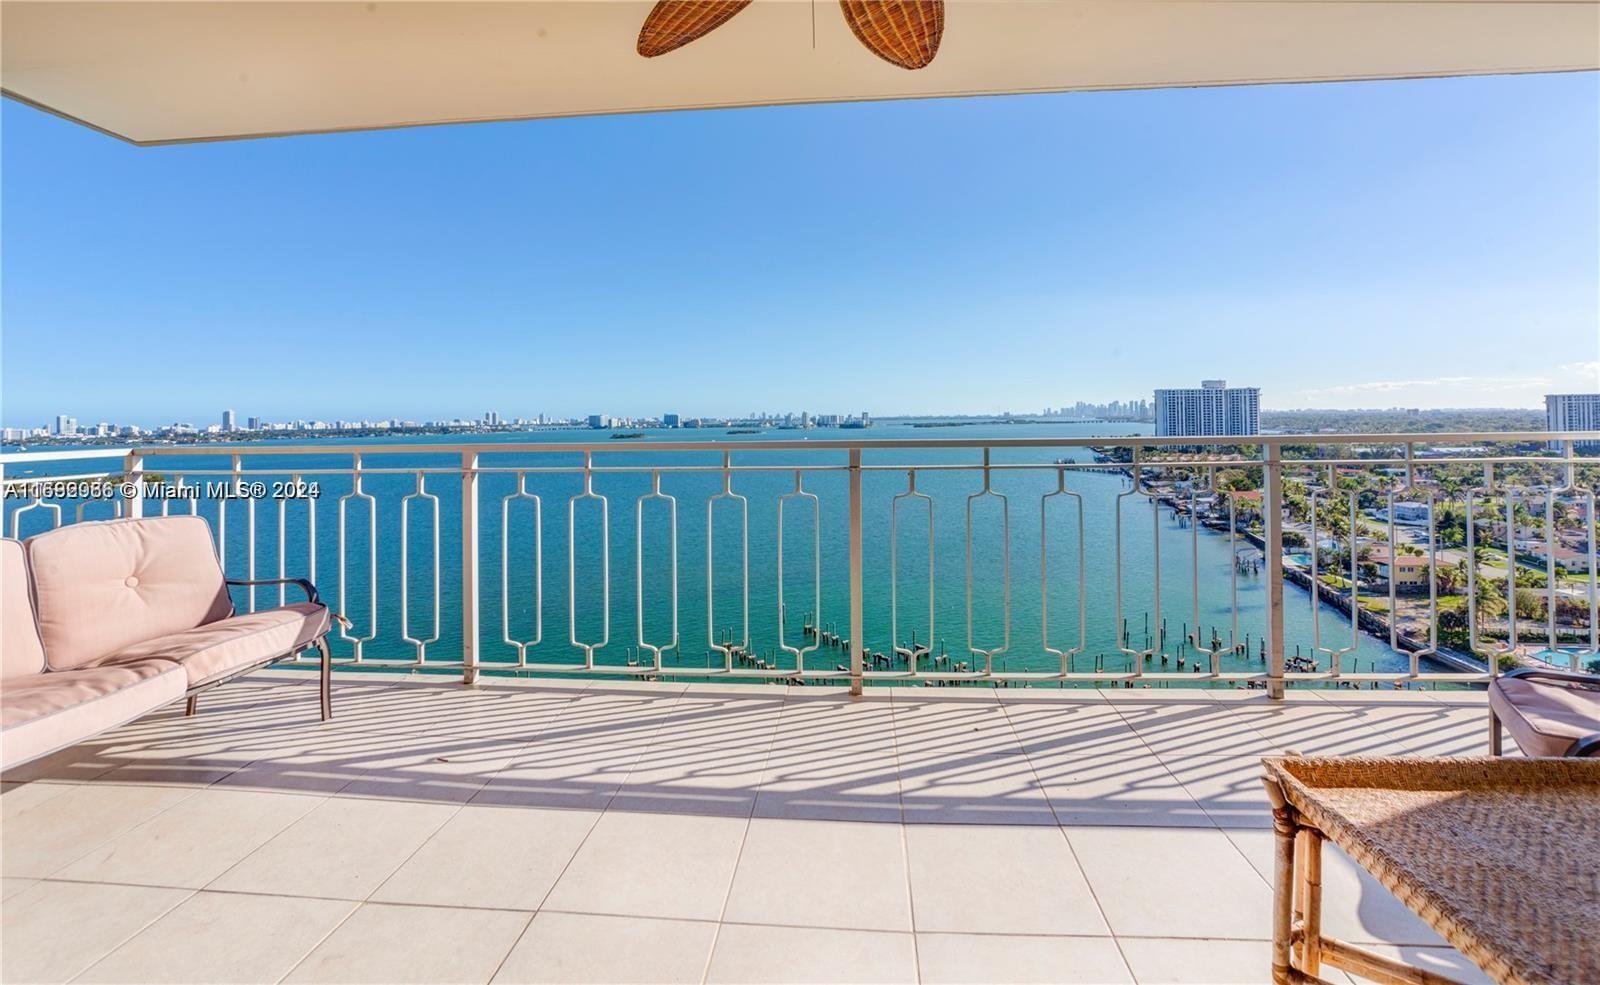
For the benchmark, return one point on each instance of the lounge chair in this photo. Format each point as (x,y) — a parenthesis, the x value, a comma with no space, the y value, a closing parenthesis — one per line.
(1549,712)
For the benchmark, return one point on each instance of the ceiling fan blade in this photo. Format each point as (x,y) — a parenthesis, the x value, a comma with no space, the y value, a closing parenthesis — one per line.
(674,23)
(902,32)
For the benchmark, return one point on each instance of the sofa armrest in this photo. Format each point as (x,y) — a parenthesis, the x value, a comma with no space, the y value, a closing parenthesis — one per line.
(1585,746)
(304,585)
(1559,676)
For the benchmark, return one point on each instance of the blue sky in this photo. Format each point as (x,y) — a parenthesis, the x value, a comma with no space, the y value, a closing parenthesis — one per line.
(1421,243)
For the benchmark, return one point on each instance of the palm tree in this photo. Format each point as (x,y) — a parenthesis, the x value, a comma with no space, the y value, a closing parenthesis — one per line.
(1488,601)
(1451,577)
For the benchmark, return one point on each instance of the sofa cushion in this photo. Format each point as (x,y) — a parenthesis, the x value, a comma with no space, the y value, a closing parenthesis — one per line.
(220,648)
(101,587)
(46,712)
(1543,716)
(21,653)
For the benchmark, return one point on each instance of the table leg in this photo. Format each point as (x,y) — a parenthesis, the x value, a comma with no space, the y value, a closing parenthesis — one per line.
(1283,892)
(1311,895)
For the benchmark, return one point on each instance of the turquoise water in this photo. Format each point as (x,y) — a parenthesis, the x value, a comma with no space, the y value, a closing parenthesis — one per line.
(949,491)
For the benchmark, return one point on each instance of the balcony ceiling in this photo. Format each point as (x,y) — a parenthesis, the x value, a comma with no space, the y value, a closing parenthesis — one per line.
(167,72)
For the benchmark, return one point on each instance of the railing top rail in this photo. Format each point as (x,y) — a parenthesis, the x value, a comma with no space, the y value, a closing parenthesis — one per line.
(291,447)
(74,454)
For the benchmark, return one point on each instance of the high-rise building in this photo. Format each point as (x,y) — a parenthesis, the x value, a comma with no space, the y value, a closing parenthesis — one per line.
(253,423)
(65,425)
(1573,412)
(669,420)
(228,423)
(1211,409)
(492,418)
(598,421)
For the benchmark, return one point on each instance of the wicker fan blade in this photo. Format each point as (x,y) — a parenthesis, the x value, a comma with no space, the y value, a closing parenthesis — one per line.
(674,23)
(901,32)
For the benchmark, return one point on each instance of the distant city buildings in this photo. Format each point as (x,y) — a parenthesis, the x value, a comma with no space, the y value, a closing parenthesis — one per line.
(1116,410)
(1572,412)
(669,420)
(228,423)
(599,421)
(1211,409)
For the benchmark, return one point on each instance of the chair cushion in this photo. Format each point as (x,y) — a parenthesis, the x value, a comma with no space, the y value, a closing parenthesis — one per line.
(21,653)
(101,587)
(46,712)
(220,648)
(1544,717)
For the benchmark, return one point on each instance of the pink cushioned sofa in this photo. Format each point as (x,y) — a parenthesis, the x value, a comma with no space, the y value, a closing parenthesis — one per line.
(106,621)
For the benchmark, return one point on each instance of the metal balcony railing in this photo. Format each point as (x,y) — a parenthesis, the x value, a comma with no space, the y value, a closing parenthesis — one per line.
(859,539)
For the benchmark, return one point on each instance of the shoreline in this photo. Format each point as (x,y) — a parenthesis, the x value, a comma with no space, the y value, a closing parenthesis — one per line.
(1371,623)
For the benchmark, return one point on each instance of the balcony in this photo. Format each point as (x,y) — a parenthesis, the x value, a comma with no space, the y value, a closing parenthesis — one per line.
(569,830)
(972,755)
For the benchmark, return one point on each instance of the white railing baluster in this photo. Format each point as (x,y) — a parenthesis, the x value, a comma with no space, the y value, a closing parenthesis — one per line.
(989,654)
(283,519)
(522,646)
(856,603)
(1335,655)
(743,643)
(894,575)
(471,641)
(356,492)
(1272,527)
(1064,656)
(672,560)
(421,643)
(1136,656)
(38,503)
(1414,656)
(1213,654)
(605,566)
(816,549)
(1472,569)
(1511,573)
(250,547)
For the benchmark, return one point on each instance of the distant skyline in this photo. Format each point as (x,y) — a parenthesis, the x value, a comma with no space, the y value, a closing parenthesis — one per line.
(1427,243)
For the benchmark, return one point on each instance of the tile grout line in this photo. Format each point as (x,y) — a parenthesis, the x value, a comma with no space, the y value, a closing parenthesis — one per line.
(1072,849)
(738,858)
(516,940)
(110,838)
(142,928)
(359,904)
(1150,750)
(286,826)
(900,795)
(355,907)
(540,908)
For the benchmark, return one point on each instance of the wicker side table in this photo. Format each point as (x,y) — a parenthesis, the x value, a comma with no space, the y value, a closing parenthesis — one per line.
(1500,856)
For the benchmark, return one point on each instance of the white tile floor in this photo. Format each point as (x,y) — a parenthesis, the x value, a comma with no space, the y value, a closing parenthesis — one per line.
(635,832)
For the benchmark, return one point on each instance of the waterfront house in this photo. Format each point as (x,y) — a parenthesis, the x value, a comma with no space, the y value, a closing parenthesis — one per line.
(1409,572)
